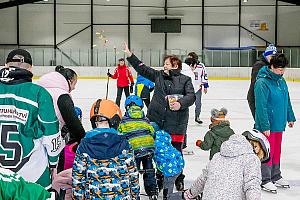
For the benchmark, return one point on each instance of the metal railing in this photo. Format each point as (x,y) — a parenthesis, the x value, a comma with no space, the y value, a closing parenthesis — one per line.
(109,57)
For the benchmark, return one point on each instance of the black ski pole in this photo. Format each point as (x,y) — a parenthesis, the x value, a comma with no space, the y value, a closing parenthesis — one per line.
(107,84)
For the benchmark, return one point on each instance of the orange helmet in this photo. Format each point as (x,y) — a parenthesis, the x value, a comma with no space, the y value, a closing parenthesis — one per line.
(108,110)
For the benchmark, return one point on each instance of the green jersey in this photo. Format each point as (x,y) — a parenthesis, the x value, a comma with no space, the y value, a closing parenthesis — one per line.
(30,138)
(12,186)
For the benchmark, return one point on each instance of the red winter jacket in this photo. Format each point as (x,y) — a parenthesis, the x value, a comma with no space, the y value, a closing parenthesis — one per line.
(123,74)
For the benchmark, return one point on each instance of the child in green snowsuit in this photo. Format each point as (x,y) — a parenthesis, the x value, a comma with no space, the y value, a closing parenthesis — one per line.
(219,132)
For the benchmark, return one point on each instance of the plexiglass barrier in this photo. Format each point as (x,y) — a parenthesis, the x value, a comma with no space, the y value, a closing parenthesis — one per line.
(152,57)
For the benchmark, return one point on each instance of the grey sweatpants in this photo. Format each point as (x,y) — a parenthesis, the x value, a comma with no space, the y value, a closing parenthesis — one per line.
(169,182)
(198,103)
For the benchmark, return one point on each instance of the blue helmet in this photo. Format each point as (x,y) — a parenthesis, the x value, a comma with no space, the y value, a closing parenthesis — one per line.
(78,112)
(133,100)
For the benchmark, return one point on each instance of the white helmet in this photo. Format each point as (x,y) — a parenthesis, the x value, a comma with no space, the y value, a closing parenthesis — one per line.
(261,138)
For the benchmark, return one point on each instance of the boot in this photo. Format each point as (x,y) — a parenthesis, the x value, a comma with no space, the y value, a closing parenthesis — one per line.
(179,182)
(152,193)
(198,120)
(160,181)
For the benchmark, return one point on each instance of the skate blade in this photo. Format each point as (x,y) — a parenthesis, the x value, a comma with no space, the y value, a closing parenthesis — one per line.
(187,153)
(267,190)
(155,197)
(282,186)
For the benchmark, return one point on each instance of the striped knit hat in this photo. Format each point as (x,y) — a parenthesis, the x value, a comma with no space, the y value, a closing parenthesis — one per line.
(218,115)
(270,50)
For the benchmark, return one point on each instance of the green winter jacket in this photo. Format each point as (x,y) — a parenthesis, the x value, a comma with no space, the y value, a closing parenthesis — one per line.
(13,186)
(272,100)
(214,138)
(31,140)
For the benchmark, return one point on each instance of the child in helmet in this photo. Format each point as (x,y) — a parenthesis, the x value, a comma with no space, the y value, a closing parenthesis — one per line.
(139,132)
(104,166)
(219,132)
(233,173)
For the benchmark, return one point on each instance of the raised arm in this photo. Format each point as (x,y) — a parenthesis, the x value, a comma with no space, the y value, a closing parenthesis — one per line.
(139,66)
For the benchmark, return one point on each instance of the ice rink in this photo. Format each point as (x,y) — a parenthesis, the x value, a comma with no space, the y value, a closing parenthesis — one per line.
(222,93)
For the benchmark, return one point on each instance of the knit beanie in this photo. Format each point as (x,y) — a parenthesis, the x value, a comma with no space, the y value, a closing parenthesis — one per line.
(270,50)
(218,115)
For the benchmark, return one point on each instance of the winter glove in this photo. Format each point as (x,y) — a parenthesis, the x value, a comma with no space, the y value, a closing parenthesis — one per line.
(131,88)
(109,74)
(187,195)
(198,143)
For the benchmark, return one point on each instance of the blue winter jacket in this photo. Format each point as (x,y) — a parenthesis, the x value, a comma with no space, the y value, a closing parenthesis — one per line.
(272,100)
(104,167)
(143,87)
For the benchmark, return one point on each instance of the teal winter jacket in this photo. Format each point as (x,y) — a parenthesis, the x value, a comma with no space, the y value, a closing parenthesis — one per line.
(272,100)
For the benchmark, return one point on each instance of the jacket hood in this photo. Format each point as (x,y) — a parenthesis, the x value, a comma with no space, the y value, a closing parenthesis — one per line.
(135,112)
(103,143)
(222,129)
(235,146)
(265,72)
(15,75)
(54,80)
(140,78)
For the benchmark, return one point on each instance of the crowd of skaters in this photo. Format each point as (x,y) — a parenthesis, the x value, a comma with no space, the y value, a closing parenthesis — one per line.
(105,163)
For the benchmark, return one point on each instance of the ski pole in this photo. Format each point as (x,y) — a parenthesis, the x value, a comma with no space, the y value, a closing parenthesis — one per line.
(107,85)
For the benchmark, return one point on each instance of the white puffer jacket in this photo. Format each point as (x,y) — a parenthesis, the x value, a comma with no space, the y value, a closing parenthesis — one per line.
(233,174)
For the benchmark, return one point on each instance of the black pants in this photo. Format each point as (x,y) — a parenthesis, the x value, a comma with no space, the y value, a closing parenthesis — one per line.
(119,94)
(150,184)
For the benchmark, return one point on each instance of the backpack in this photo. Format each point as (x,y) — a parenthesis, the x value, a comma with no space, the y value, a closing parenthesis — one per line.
(167,158)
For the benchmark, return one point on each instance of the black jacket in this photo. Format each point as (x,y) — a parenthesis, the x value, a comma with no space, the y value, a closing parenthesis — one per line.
(250,96)
(174,122)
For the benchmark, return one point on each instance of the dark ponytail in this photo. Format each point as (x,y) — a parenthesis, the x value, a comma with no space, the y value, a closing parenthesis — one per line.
(68,73)
(279,61)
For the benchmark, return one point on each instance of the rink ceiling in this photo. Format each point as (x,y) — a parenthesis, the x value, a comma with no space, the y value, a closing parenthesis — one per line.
(230,94)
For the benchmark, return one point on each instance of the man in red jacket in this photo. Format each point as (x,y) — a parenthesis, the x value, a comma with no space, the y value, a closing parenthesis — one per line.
(123,75)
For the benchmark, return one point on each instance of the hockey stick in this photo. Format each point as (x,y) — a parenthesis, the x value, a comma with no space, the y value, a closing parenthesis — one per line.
(107,85)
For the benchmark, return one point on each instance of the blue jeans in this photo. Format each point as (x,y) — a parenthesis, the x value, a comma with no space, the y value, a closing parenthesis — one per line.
(149,177)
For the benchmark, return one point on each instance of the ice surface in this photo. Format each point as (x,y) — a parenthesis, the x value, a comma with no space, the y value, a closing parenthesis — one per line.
(225,93)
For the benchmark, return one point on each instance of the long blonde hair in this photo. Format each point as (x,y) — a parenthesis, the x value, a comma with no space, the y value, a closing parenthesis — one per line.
(257,149)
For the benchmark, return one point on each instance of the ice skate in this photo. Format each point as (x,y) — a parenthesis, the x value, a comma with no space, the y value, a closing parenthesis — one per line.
(282,183)
(187,152)
(153,197)
(198,121)
(269,187)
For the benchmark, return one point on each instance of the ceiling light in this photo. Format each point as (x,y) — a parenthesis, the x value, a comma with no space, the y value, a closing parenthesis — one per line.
(245,1)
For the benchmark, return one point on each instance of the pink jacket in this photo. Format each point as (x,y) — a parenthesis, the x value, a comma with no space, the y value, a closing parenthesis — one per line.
(56,85)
